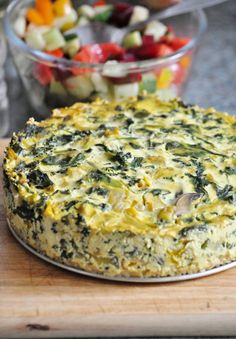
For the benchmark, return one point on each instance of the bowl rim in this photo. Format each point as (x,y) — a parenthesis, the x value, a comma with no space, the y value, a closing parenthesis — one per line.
(64,63)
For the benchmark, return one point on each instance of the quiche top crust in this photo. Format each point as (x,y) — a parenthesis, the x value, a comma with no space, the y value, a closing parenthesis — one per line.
(142,165)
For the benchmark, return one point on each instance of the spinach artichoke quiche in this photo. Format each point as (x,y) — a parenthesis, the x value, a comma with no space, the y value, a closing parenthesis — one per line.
(142,188)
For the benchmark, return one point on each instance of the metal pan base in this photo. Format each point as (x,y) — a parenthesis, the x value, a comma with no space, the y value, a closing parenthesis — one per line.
(124,279)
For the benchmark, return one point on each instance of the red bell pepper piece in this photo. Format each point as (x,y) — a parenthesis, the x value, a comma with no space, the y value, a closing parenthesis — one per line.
(164,50)
(178,43)
(150,51)
(99,53)
(148,39)
(89,54)
(99,3)
(111,50)
(58,53)
(43,74)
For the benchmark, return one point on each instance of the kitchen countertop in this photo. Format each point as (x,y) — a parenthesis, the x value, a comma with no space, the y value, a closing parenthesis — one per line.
(212,81)
(213,78)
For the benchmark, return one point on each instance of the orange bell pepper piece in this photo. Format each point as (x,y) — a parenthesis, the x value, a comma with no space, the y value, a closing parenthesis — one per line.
(34,16)
(45,8)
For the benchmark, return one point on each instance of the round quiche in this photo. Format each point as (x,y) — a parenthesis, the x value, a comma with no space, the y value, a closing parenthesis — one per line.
(139,188)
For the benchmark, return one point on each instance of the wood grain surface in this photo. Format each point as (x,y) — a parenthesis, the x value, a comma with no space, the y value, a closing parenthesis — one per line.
(38,300)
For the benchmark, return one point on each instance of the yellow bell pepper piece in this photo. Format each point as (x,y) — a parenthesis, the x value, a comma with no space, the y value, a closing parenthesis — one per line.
(62,7)
(67,26)
(165,78)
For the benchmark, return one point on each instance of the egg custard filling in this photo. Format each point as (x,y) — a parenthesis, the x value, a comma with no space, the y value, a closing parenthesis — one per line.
(140,188)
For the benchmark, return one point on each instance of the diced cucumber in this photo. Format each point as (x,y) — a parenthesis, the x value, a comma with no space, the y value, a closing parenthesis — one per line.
(80,86)
(54,39)
(103,13)
(20,26)
(140,13)
(100,84)
(56,87)
(72,45)
(86,11)
(155,28)
(70,18)
(126,90)
(42,29)
(133,39)
(34,38)
(83,21)
(148,83)
(112,68)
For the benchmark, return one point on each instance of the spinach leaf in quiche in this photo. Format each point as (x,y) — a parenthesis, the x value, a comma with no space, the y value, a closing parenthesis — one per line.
(136,162)
(76,160)
(230,170)
(97,175)
(157,191)
(186,230)
(135,146)
(25,211)
(70,204)
(32,129)
(63,162)
(226,193)
(16,147)
(195,150)
(142,114)
(39,179)
(199,180)
(121,158)
(99,190)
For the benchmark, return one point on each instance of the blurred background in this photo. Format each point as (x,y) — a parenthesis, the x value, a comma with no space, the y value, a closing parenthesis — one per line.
(212,80)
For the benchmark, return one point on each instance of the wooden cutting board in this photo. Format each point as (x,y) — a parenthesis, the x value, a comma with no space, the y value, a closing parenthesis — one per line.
(40,300)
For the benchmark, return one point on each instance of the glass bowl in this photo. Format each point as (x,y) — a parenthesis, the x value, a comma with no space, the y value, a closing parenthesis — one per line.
(52,82)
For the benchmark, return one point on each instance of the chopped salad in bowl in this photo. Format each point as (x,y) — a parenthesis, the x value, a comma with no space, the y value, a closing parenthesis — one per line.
(58,69)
